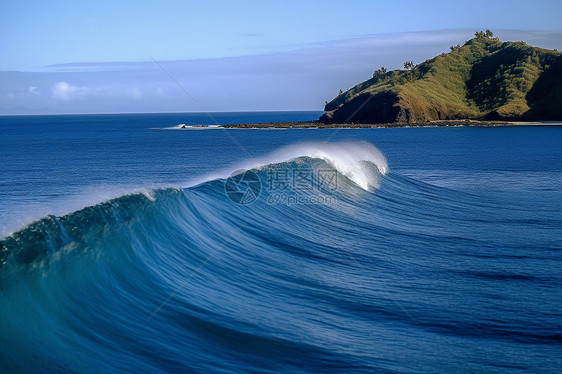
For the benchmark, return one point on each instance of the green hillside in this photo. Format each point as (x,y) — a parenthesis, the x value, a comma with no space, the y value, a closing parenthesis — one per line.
(483,79)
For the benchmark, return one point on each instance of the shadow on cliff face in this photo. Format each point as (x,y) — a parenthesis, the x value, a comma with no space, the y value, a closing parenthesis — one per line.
(547,107)
(382,107)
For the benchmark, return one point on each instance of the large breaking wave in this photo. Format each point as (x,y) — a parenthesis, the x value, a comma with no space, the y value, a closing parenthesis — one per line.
(185,279)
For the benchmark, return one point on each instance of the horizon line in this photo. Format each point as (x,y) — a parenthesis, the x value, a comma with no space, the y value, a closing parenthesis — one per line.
(171,112)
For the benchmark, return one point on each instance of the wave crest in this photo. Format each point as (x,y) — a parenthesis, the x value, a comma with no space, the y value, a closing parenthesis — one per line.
(355,160)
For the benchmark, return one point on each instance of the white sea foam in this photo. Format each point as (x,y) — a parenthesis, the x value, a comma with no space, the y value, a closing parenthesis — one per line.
(355,160)
(23,214)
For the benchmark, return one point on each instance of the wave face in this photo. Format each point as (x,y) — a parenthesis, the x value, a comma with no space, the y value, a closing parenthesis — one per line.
(334,261)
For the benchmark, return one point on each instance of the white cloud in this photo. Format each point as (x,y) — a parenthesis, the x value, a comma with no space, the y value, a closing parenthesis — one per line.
(32,90)
(65,91)
(303,78)
(135,92)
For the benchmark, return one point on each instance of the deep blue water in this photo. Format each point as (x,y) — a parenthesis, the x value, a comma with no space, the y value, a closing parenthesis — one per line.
(124,249)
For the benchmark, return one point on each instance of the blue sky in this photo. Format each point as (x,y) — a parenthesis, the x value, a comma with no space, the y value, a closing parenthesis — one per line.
(94,56)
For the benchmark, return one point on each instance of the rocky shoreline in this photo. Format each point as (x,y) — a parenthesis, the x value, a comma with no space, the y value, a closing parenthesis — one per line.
(321,125)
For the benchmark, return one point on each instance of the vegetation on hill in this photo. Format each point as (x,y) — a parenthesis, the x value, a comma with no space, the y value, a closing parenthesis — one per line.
(483,79)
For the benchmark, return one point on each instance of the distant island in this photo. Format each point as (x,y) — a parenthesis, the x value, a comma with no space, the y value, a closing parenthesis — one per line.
(484,80)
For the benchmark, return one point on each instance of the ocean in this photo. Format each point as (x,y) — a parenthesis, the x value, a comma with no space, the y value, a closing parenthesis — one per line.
(129,247)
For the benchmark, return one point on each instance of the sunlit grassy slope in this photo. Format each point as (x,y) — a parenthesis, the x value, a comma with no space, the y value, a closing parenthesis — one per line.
(483,79)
